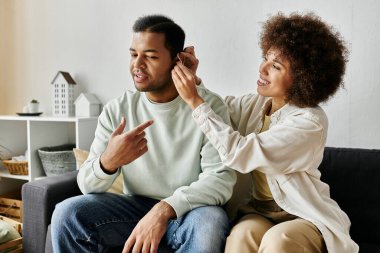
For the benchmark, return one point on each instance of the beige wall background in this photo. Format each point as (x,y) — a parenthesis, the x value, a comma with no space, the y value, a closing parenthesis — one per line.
(90,39)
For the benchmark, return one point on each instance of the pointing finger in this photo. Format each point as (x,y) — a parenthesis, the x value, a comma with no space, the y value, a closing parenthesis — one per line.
(142,127)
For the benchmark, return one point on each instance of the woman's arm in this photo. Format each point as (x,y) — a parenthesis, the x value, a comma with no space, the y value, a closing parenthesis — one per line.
(287,147)
(294,144)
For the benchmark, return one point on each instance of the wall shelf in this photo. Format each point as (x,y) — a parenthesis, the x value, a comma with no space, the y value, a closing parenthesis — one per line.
(18,134)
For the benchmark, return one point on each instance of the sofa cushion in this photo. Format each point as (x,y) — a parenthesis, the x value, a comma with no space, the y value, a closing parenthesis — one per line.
(7,232)
(354,179)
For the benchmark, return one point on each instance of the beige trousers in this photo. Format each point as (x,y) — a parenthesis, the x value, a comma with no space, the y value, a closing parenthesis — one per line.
(254,233)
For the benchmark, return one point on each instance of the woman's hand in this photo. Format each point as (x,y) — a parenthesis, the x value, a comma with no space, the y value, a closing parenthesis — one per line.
(188,58)
(185,82)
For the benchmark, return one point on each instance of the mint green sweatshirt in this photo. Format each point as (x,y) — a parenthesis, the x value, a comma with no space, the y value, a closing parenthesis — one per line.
(181,166)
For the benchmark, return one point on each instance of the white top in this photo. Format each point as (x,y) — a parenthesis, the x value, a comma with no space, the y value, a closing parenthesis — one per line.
(181,166)
(289,153)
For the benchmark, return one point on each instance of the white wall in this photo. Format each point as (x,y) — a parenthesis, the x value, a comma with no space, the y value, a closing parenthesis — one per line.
(90,39)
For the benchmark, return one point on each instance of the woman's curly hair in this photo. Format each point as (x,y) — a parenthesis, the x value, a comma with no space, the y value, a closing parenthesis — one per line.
(317,55)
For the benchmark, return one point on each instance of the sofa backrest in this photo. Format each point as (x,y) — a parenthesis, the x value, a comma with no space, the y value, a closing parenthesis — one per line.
(354,179)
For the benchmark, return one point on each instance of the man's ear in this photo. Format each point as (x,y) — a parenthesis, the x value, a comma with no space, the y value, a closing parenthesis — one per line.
(174,61)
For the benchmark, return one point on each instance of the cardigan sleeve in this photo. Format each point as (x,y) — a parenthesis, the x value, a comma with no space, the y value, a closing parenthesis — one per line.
(289,145)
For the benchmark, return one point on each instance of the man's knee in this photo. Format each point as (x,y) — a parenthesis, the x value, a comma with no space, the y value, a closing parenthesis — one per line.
(206,229)
(69,210)
(207,218)
(62,211)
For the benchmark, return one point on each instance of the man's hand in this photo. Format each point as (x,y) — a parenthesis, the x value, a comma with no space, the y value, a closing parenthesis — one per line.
(124,148)
(147,234)
(185,84)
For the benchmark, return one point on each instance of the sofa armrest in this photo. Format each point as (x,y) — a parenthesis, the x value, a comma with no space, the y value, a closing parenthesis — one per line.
(38,202)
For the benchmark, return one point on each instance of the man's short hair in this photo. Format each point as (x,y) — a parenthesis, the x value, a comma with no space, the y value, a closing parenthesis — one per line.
(174,35)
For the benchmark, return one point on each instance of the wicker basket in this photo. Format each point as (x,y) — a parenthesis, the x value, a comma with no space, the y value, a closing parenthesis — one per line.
(57,160)
(16,167)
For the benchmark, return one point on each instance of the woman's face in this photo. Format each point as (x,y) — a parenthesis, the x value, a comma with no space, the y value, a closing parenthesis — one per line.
(275,76)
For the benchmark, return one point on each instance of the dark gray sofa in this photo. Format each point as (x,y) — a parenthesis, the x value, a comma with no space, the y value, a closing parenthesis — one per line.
(353,176)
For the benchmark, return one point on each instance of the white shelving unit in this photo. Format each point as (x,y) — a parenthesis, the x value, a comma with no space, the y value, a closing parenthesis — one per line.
(19,133)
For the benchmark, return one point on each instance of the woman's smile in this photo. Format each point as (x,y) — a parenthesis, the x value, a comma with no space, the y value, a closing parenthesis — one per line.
(262,82)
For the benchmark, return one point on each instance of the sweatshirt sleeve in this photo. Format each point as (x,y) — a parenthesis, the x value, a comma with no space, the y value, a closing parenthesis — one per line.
(215,183)
(91,178)
(273,151)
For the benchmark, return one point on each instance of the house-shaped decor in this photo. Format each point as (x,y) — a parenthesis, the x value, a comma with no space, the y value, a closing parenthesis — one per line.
(87,105)
(63,95)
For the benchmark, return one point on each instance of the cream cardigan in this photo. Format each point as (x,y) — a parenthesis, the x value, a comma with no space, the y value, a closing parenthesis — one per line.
(289,153)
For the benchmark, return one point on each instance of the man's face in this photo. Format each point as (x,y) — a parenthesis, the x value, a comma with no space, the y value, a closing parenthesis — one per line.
(151,63)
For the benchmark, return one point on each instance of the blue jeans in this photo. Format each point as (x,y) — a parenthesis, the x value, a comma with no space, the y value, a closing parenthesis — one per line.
(97,222)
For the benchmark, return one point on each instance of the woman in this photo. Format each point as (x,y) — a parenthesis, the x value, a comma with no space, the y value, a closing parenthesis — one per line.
(278,136)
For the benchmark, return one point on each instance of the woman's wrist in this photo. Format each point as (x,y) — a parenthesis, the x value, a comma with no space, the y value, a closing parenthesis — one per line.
(196,102)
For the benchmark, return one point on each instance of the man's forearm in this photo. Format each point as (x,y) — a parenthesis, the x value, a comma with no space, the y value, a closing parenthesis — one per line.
(165,210)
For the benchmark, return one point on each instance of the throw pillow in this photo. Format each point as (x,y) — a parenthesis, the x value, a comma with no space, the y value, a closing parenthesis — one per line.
(7,232)
(81,156)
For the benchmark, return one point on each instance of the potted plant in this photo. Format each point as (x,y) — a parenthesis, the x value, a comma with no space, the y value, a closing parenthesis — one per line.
(33,106)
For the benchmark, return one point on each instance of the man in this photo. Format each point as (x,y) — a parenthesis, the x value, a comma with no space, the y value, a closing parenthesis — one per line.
(174,190)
